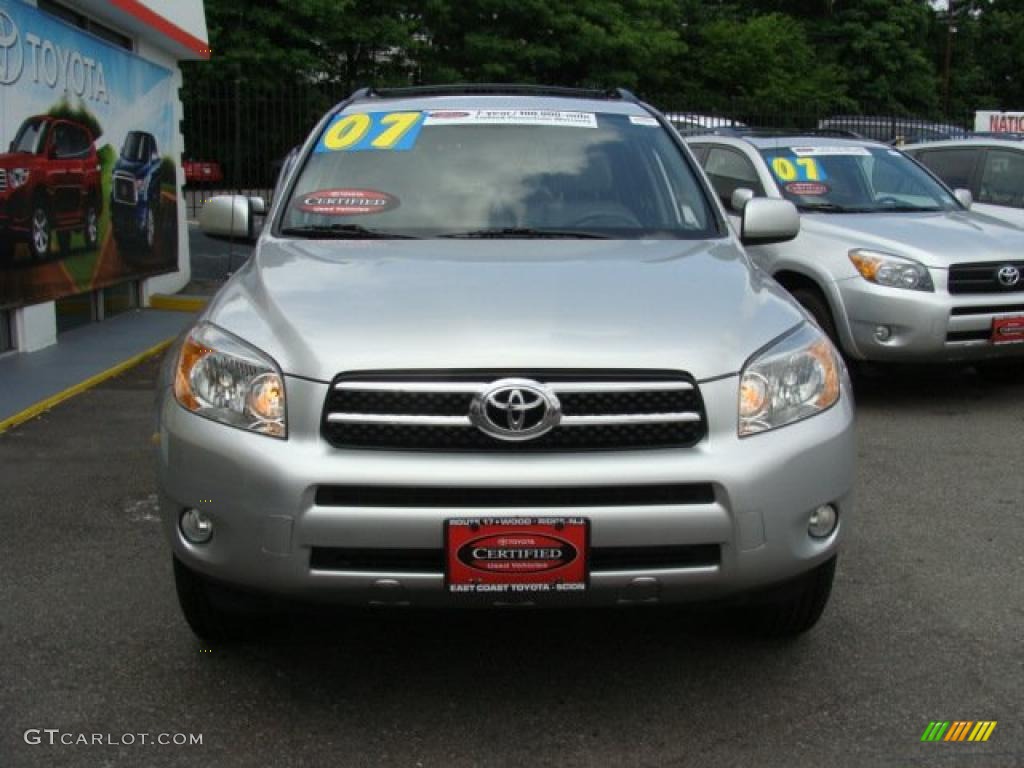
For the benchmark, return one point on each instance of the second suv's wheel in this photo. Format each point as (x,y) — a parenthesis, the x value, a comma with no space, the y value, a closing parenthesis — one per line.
(794,608)
(815,303)
(40,232)
(214,613)
(92,228)
(149,233)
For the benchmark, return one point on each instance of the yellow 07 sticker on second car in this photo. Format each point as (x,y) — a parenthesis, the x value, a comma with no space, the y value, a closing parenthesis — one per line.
(367,131)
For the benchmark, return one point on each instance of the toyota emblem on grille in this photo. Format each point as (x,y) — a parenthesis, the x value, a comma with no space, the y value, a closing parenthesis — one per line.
(1008,276)
(515,409)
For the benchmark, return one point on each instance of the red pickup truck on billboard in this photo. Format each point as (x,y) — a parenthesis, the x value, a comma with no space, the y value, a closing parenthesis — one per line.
(49,183)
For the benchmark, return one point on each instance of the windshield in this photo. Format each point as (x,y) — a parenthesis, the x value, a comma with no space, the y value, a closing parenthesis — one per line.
(854,179)
(497,173)
(134,148)
(31,137)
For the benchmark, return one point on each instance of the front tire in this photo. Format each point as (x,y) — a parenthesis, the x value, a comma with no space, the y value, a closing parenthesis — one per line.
(795,608)
(209,611)
(92,228)
(816,304)
(40,232)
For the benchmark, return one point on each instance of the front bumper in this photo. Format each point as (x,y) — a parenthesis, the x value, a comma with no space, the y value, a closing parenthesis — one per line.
(261,494)
(127,218)
(923,327)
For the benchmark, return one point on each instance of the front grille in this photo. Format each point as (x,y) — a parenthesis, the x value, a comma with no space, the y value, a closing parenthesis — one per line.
(3,179)
(124,190)
(602,559)
(988,309)
(519,497)
(430,411)
(983,278)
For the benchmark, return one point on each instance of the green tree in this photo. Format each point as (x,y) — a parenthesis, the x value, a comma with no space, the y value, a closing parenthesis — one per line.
(761,64)
(630,43)
(884,49)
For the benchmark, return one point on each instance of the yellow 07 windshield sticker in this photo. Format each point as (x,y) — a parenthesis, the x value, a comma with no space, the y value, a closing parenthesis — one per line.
(368,131)
(792,168)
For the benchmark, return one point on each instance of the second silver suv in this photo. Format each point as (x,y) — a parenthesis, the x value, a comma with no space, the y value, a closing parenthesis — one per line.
(499,345)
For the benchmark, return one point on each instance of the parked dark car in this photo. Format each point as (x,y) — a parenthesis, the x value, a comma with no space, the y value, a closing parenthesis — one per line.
(135,193)
(893,130)
(49,183)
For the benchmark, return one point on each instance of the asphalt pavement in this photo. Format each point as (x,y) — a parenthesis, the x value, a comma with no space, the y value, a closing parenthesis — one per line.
(925,624)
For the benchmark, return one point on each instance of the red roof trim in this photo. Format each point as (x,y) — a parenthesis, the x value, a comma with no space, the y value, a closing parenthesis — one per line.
(156,21)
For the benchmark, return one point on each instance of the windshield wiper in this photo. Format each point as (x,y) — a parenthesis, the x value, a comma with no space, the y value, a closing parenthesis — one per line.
(905,209)
(529,232)
(832,208)
(343,232)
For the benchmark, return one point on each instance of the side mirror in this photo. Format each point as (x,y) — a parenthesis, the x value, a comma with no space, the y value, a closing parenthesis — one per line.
(965,197)
(231,217)
(769,220)
(740,197)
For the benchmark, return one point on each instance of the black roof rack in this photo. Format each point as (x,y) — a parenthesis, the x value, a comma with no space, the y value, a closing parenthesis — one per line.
(494,89)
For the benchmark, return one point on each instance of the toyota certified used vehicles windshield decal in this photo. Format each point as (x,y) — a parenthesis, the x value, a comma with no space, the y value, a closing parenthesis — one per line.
(346,202)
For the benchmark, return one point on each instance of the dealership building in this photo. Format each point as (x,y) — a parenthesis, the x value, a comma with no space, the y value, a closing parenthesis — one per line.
(91,218)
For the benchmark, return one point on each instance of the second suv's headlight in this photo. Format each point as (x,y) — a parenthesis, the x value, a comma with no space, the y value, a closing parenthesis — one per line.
(791,380)
(891,270)
(222,378)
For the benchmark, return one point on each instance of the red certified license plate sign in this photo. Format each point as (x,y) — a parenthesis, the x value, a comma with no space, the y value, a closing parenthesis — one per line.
(507,556)
(1006,330)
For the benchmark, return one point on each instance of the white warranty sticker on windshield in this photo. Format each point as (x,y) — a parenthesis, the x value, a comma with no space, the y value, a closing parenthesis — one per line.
(643,120)
(830,151)
(511,117)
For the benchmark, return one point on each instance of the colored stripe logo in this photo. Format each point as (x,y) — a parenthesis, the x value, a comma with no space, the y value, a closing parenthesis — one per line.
(958,730)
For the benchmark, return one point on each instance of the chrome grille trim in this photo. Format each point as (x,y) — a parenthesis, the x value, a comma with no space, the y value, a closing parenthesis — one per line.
(441,411)
(124,183)
(473,387)
(411,420)
(607,420)
(3,179)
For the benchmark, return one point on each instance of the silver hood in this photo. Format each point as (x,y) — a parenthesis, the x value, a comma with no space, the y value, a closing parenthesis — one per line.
(323,307)
(934,239)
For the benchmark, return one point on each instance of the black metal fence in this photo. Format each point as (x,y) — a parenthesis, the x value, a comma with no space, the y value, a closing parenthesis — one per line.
(246,130)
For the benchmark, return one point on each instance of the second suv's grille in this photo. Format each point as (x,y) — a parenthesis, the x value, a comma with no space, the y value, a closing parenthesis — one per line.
(124,190)
(431,412)
(3,179)
(985,277)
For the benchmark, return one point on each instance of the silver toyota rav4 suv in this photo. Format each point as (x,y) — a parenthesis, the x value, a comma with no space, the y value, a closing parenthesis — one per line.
(499,345)
(893,264)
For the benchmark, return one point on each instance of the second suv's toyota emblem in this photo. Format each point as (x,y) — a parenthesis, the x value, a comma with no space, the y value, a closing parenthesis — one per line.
(1008,276)
(515,409)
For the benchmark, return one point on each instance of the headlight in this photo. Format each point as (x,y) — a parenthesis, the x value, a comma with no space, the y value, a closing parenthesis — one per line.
(19,177)
(222,378)
(793,379)
(891,270)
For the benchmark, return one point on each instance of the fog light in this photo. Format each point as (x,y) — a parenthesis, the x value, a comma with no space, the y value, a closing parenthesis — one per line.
(823,521)
(196,526)
(883,332)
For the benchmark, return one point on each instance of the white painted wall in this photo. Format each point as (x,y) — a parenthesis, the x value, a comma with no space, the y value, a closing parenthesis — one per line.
(35,327)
